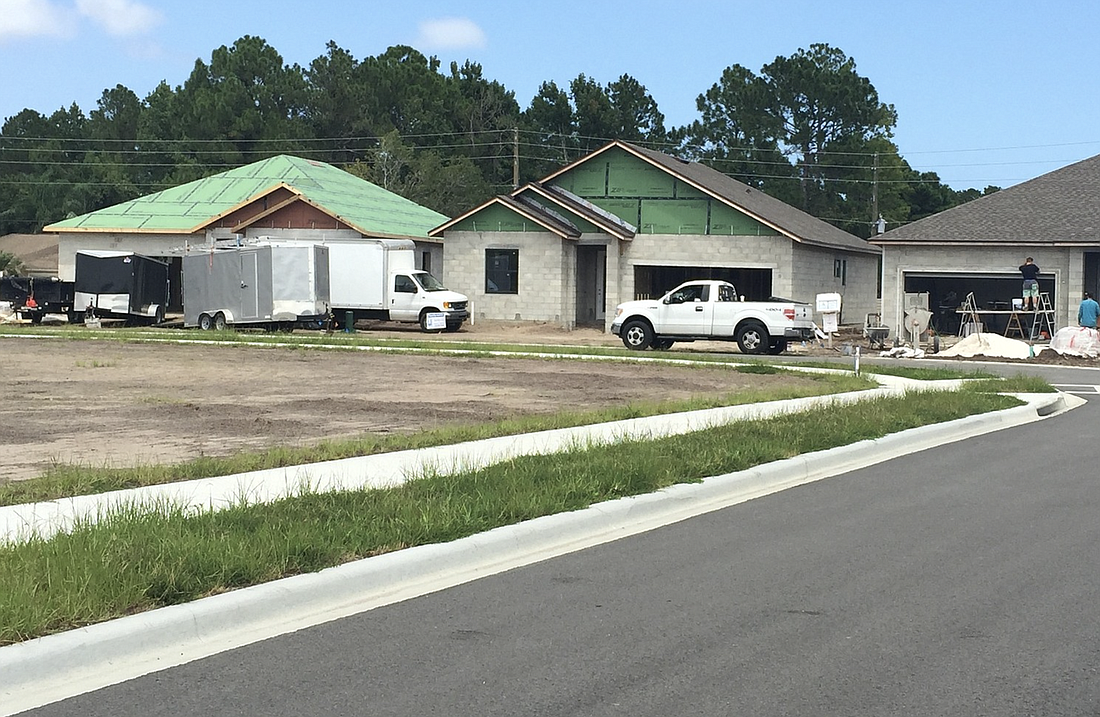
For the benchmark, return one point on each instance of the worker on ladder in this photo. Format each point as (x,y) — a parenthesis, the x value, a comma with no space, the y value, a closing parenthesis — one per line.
(1030,271)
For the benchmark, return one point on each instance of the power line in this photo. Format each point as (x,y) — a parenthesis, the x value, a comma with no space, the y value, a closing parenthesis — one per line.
(505,132)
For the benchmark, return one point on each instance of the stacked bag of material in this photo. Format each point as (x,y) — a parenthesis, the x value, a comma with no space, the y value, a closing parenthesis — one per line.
(1076,341)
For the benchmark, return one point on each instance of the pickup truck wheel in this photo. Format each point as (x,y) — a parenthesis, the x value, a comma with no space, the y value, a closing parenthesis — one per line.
(752,338)
(637,335)
(777,347)
(205,322)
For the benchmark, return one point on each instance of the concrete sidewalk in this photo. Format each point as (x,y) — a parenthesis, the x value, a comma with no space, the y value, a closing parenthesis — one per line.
(58,666)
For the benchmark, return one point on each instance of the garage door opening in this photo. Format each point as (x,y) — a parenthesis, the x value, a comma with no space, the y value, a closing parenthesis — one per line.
(651,282)
(992,291)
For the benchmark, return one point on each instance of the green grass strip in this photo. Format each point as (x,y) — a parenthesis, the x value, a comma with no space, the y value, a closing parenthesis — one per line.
(135,561)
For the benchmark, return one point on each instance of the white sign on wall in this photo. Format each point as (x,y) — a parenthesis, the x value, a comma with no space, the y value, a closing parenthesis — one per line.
(828,303)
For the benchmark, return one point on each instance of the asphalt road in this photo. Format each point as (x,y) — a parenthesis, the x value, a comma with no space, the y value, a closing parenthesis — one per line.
(957,581)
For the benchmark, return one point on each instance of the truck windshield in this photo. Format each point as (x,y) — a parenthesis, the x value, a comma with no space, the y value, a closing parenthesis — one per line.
(429,282)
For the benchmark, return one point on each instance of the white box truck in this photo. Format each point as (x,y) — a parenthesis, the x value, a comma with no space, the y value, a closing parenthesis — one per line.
(377,279)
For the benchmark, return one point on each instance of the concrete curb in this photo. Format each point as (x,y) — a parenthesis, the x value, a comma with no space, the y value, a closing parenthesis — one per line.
(44,519)
(58,666)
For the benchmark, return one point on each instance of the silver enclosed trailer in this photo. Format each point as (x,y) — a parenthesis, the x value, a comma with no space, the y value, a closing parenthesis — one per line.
(263,285)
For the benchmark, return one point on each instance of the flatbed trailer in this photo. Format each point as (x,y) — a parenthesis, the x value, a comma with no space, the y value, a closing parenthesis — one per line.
(33,297)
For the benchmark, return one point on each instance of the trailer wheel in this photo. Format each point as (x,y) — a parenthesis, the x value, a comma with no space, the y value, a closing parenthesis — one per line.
(219,322)
(205,322)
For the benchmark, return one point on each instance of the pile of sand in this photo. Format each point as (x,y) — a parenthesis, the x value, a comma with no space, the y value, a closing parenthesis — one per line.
(993,345)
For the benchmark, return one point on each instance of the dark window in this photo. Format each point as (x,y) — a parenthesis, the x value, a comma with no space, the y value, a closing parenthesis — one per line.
(502,271)
(404,285)
(426,261)
(690,294)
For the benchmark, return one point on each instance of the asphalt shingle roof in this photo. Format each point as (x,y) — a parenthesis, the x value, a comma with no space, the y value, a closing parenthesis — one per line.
(1062,206)
(368,208)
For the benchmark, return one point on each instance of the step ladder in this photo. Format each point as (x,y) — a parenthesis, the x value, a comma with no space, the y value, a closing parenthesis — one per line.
(1014,326)
(970,315)
(1043,319)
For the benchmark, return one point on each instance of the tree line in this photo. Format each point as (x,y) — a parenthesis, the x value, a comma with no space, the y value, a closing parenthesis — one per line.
(807,129)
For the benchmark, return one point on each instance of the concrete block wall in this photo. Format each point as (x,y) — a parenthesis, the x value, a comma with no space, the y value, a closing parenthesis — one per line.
(303,234)
(1065,264)
(543,279)
(815,267)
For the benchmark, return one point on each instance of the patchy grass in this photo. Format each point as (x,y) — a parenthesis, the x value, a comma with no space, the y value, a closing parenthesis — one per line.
(136,560)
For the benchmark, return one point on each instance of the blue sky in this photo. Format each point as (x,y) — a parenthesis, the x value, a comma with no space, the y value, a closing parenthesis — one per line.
(986,92)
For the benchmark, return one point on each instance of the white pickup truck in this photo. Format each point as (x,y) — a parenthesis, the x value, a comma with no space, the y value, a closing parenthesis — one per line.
(710,311)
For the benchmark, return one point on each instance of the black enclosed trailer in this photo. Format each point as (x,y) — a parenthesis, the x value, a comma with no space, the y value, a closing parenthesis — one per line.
(33,297)
(118,284)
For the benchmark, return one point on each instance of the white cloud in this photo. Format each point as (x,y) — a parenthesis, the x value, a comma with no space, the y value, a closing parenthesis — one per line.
(120,17)
(450,33)
(32,18)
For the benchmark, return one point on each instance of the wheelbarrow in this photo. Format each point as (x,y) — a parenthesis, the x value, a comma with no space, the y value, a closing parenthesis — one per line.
(875,333)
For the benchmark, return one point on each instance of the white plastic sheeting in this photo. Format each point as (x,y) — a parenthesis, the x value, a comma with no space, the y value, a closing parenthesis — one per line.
(993,345)
(1077,341)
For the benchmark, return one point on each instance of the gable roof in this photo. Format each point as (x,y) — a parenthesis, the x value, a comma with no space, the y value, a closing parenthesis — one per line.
(780,216)
(568,201)
(1060,207)
(544,205)
(190,207)
(529,210)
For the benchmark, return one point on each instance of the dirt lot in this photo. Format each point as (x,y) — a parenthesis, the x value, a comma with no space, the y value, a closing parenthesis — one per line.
(105,403)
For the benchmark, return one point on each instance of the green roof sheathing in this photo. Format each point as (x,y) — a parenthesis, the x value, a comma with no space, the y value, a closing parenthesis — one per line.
(187,208)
